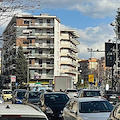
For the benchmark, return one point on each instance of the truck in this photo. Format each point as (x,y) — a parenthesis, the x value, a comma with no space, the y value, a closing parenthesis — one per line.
(62,83)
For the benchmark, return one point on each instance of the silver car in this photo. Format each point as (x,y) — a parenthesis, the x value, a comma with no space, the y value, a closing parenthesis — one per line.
(88,108)
(115,114)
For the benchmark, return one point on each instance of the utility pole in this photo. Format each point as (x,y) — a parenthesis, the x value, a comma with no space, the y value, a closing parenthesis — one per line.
(117,33)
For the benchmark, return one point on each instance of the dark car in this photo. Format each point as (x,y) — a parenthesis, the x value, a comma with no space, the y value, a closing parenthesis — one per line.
(32,97)
(52,104)
(89,93)
(112,96)
(18,95)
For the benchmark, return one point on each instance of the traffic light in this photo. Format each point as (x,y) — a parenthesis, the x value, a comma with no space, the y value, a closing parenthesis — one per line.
(110,54)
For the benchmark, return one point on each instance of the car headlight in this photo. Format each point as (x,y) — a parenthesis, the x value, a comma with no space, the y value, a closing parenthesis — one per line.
(1,101)
(49,110)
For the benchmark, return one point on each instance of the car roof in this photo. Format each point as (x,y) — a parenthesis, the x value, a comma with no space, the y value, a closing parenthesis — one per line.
(88,99)
(20,109)
(36,91)
(20,90)
(6,90)
(50,93)
(90,90)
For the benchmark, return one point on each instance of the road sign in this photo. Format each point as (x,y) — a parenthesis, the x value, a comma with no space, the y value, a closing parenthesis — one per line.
(13,78)
(91,78)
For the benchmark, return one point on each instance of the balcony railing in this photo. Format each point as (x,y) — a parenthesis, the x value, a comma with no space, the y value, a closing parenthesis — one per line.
(41,55)
(50,66)
(41,24)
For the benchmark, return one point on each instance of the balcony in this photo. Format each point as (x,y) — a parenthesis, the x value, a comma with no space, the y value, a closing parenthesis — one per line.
(41,66)
(41,25)
(69,46)
(42,45)
(73,56)
(70,63)
(74,40)
(41,56)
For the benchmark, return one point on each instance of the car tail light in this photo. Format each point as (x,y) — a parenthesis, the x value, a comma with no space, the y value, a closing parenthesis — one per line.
(76,92)
(105,96)
(66,93)
(119,97)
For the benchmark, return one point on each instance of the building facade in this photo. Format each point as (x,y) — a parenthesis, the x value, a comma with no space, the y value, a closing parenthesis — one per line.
(41,40)
(69,54)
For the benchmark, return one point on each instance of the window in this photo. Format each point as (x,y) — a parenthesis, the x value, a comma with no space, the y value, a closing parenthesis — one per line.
(25,42)
(48,41)
(40,52)
(40,21)
(26,21)
(48,20)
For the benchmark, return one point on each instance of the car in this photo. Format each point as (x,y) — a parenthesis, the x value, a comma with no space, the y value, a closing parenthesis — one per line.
(6,94)
(21,112)
(17,96)
(87,108)
(71,92)
(32,97)
(52,104)
(89,93)
(112,96)
(115,113)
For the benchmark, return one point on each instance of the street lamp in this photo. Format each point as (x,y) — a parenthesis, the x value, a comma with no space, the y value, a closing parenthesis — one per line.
(27,72)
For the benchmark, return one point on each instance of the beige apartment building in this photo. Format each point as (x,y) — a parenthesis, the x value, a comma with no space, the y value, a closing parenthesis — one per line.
(44,44)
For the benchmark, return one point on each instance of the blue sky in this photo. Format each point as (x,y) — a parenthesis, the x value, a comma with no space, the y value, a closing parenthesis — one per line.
(90,18)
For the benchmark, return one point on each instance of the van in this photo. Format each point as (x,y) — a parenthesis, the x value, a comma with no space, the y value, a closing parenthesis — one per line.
(7,94)
(21,112)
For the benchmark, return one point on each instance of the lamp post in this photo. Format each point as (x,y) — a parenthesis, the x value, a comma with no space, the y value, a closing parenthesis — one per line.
(28,72)
(116,24)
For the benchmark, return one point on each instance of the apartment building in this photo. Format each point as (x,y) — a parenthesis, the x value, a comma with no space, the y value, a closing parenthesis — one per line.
(41,40)
(69,54)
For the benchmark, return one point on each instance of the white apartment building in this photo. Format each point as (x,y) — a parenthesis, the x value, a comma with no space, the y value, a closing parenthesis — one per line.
(69,54)
(42,42)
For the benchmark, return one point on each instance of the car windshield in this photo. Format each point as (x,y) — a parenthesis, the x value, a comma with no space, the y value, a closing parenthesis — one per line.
(91,93)
(7,92)
(21,118)
(20,94)
(95,106)
(56,99)
(34,94)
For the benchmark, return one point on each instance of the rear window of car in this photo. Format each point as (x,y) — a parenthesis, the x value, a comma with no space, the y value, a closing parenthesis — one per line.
(34,94)
(95,107)
(56,99)
(21,94)
(7,92)
(71,90)
(91,93)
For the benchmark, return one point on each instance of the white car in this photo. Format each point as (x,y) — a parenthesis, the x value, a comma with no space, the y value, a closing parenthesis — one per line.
(71,93)
(88,108)
(21,112)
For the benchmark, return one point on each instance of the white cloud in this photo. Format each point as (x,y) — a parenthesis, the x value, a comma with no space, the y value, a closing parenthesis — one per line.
(92,8)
